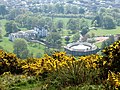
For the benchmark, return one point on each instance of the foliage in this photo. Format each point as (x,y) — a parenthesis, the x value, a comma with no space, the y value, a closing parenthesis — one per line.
(9,62)
(118,22)
(84,30)
(67,39)
(108,23)
(1,47)
(97,21)
(111,55)
(76,37)
(71,74)
(54,40)
(15,12)
(44,65)
(20,48)
(113,81)
(60,70)
(81,10)
(73,24)
(60,24)
(9,81)
(11,27)
(3,10)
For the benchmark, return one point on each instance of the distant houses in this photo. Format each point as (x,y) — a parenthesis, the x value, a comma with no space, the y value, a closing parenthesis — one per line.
(34,34)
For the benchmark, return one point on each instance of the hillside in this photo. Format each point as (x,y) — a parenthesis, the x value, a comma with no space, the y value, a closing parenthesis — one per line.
(61,71)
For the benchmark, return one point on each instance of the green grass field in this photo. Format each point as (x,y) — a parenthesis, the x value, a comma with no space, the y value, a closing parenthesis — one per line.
(101,32)
(35,49)
(3,22)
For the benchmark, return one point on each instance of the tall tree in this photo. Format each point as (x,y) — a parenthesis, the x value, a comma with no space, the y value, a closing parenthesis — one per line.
(20,48)
(11,27)
(74,10)
(73,24)
(67,39)
(15,12)
(68,9)
(60,24)
(59,8)
(54,40)
(3,10)
(81,10)
(84,31)
(97,21)
(108,23)
(76,37)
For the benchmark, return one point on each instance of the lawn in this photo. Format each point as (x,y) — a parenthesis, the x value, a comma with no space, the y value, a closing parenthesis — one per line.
(101,32)
(3,22)
(6,44)
(35,49)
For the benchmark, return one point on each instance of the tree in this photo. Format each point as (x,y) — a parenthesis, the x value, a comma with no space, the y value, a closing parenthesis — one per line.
(20,48)
(48,23)
(15,12)
(60,24)
(108,23)
(111,39)
(102,11)
(92,35)
(59,8)
(81,11)
(97,21)
(68,9)
(74,10)
(76,37)
(118,22)
(67,39)
(3,10)
(73,24)
(54,40)
(11,27)
(84,31)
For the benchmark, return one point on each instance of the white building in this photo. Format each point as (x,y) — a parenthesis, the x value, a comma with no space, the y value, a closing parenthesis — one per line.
(29,34)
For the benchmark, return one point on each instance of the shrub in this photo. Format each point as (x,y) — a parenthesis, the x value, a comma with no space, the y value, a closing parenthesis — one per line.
(71,74)
(9,62)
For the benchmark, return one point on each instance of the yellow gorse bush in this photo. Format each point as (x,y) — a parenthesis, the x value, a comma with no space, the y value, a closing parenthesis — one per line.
(9,62)
(46,64)
(114,79)
(92,61)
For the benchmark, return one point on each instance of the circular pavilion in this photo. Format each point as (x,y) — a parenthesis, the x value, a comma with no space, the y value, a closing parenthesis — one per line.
(81,48)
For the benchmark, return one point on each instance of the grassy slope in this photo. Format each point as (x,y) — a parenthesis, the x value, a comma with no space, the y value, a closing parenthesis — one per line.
(100,31)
